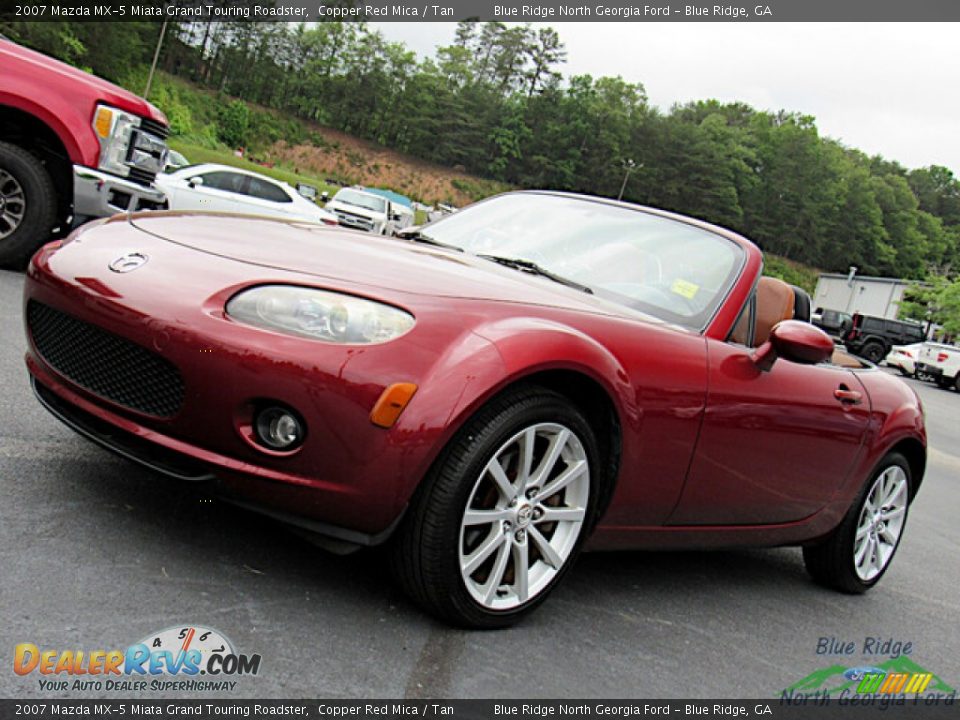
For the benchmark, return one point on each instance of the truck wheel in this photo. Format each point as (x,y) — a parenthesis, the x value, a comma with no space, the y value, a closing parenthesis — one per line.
(944,382)
(28,204)
(873,351)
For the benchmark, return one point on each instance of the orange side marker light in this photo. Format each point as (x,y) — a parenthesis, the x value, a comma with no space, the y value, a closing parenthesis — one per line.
(391,403)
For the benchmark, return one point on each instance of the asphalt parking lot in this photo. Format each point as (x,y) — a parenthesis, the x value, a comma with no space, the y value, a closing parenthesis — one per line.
(96,553)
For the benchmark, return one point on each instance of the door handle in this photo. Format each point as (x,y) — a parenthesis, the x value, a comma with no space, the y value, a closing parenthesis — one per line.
(846,395)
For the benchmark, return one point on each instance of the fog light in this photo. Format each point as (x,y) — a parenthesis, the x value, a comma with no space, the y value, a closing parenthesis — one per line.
(278,428)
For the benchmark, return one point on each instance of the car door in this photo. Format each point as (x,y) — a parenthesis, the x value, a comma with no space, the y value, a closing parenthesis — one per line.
(217,192)
(774,446)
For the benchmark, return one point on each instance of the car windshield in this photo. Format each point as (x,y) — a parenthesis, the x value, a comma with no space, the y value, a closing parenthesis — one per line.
(359,199)
(667,268)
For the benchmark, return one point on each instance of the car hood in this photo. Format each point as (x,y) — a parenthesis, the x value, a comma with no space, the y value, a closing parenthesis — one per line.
(98,87)
(336,256)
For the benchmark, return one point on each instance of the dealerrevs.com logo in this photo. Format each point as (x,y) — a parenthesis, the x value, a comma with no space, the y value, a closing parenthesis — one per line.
(181,658)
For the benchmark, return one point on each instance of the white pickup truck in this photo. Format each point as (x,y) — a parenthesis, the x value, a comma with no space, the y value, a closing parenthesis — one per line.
(367,211)
(940,363)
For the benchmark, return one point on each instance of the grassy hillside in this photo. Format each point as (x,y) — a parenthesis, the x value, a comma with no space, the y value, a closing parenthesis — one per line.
(208,127)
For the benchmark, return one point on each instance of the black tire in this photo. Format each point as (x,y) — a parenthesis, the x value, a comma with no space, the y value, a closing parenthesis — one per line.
(426,550)
(40,200)
(905,373)
(873,351)
(944,383)
(831,562)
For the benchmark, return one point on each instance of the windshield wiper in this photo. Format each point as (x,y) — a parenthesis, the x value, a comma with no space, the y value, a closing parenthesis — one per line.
(528,266)
(417,236)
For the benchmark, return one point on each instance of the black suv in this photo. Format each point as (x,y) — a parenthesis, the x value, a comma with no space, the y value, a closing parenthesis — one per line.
(832,322)
(872,337)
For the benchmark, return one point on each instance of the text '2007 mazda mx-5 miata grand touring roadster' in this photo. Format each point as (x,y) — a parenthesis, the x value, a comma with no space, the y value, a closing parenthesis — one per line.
(534,374)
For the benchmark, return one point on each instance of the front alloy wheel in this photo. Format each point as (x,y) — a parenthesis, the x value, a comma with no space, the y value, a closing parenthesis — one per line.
(856,555)
(524,516)
(503,514)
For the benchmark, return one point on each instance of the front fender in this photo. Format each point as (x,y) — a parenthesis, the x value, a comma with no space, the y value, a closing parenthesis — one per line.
(490,358)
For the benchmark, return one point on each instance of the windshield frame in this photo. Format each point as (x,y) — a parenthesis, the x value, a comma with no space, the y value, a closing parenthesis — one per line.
(699,323)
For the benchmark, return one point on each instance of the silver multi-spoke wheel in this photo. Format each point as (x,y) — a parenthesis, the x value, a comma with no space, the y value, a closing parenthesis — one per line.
(13,204)
(880,523)
(524,516)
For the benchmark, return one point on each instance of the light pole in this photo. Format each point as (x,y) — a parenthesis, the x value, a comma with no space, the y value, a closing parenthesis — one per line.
(629,166)
(156,56)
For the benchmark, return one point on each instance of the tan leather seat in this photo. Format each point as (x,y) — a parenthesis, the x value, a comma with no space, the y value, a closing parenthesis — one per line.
(775,301)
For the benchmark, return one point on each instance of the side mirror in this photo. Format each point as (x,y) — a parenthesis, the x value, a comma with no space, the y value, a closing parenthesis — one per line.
(195,181)
(325,196)
(795,341)
(307,191)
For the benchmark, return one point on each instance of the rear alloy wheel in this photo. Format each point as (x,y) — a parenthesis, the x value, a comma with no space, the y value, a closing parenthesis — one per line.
(504,514)
(858,553)
(873,351)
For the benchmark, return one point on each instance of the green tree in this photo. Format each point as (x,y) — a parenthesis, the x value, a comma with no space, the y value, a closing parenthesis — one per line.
(234,123)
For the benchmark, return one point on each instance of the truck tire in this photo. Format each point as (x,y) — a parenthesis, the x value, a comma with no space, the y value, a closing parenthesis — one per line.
(873,351)
(28,202)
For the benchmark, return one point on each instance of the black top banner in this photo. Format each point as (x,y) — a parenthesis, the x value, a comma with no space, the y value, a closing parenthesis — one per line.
(486,10)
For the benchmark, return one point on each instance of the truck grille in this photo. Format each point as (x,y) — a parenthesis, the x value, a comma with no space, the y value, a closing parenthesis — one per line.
(155,128)
(354,221)
(105,364)
(143,177)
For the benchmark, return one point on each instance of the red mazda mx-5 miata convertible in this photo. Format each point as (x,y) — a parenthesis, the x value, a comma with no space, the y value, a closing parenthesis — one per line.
(533,374)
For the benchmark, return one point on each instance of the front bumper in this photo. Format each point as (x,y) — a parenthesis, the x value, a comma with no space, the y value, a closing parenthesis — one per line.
(931,371)
(99,194)
(350,480)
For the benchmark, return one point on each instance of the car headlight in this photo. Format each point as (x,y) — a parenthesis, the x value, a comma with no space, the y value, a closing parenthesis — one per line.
(319,314)
(114,128)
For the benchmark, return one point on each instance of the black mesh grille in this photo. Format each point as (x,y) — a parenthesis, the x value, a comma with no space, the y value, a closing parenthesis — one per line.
(105,364)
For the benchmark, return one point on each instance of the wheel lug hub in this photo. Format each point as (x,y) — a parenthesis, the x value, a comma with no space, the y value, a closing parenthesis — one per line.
(531,493)
(521,535)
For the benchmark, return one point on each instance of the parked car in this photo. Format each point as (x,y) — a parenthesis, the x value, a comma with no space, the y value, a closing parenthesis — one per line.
(361,210)
(873,337)
(221,188)
(72,147)
(904,358)
(175,161)
(833,322)
(940,363)
(537,372)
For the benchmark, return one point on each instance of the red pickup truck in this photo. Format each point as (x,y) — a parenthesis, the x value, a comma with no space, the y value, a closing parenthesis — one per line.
(72,147)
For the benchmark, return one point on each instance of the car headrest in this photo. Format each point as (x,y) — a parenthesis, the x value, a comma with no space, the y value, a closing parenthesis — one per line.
(775,300)
(801,304)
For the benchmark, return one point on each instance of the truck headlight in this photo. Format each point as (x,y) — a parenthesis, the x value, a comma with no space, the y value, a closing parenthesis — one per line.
(319,314)
(114,128)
